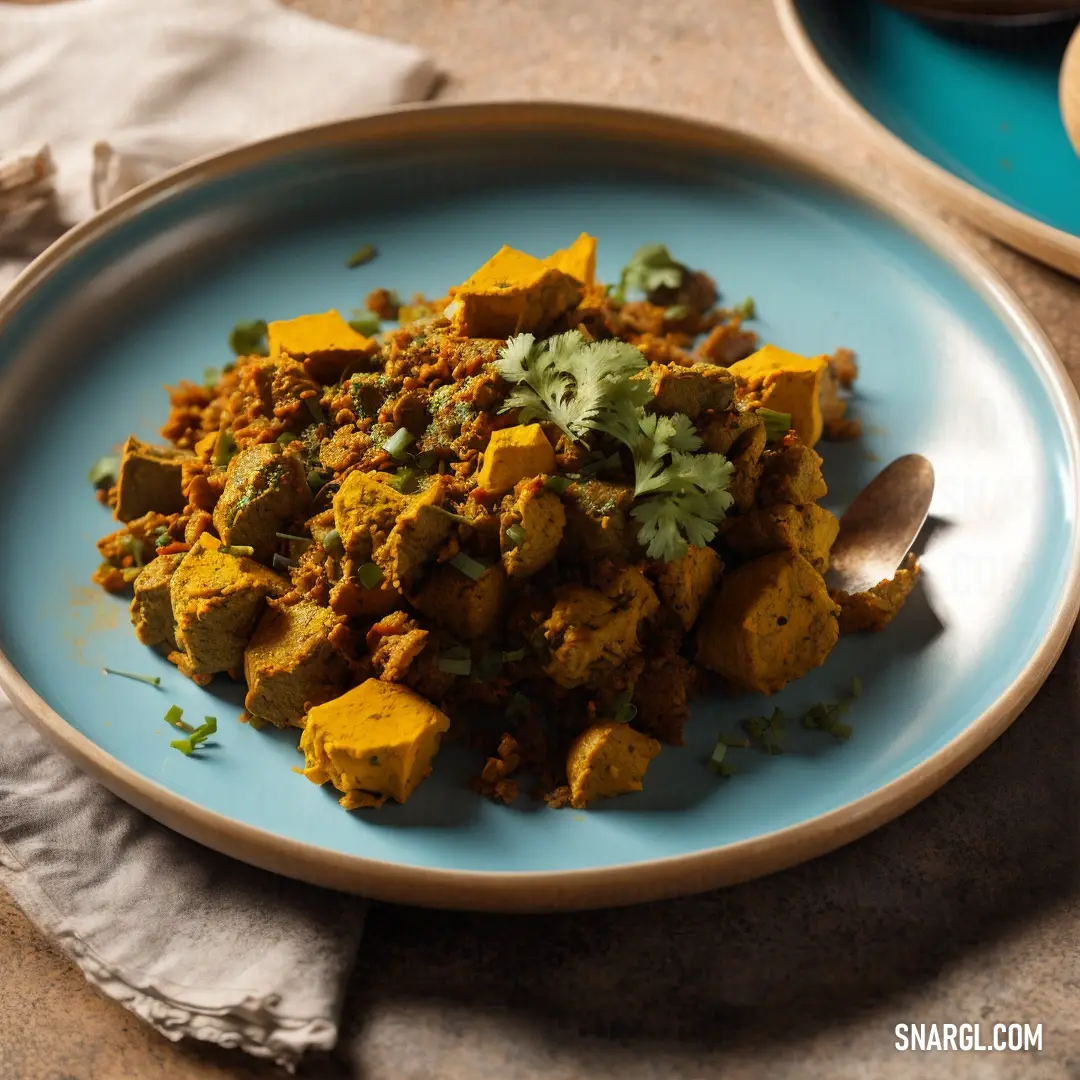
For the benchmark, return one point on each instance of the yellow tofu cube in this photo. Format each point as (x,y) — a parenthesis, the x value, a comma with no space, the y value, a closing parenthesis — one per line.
(512,293)
(578,260)
(788,383)
(366,508)
(325,343)
(374,743)
(606,760)
(513,454)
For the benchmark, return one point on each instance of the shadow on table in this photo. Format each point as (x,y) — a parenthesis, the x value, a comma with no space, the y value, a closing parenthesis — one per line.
(772,959)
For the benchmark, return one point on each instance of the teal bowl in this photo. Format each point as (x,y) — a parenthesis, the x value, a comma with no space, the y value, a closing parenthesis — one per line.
(971,113)
(951,366)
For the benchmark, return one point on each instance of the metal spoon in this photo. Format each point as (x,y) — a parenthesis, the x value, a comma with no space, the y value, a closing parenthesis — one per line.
(1069,90)
(879,527)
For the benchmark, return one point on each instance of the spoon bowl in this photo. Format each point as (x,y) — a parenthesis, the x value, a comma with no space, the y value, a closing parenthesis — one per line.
(1069,90)
(879,527)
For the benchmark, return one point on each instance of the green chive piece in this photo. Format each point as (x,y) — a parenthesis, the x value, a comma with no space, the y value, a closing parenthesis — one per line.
(398,443)
(316,410)
(198,736)
(285,438)
(369,575)
(737,741)
(104,471)
(405,480)
(293,536)
(150,680)
(185,746)
(747,309)
(367,324)
(249,338)
(237,549)
(677,312)
(623,710)
(453,666)
(511,656)
(174,718)
(426,460)
(224,448)
(469,566)
(134,547)
(777,424)
(516,535)
(281,564)
(558,484)
(361,256)
(332,544)
(211,377)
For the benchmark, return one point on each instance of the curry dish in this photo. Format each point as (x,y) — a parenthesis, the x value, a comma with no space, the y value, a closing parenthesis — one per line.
(535,515)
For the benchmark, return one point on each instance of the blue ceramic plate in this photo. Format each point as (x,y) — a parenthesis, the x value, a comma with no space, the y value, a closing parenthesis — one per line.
(975,110)
(145,295)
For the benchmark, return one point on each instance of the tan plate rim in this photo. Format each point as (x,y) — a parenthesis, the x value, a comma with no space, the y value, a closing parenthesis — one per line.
(1043,242)
(632,882)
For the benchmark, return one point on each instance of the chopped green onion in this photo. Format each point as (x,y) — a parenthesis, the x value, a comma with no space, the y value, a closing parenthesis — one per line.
(332,544)
(469,566)
(293,536)
(856,687)
(715,761)
(747,309)
(285,438)
(130,573)
(426,460)
(211,377)
(767,732)
(315,409)
(738,741)
(454,666)
(135,548)
(162,537)
(104,471)
(362,256)
(249,338)
(366,324)
(398,443)
(174,717)
(558,484)
(282,564)
(150,680)
(369,575)
(677,312)
(224,448)
(236,549)
(777,424)
(457,652)
(511,656)
(199,735)
(317,478)
(405,480)
(623,709)
(516,535)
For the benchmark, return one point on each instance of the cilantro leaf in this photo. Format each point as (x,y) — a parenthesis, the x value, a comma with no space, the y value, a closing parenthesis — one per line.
(249,338)
(567,380)
(650,267)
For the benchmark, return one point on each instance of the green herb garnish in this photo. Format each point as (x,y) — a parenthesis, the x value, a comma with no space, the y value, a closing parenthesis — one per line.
(162,537)
(511,656)
(199,735)
(453,666)
(362,256)
(469,566)
(104,471)
(332,544)
(777,424)
(224,448)
(315,409)
(211,377)
(650,267)
(249,338)
(677,312)
(746,310)
(369,575)
(405,480)
(134,547)
(398,443)
(150,680)
(367,324)
(716,763)
(426,460)
(174,717)
(516,535)
(293,536)
(623,710)
(767,732)
(236,549)
(558,484)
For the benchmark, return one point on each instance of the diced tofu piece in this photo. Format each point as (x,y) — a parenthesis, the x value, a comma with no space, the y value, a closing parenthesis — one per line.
(216,601)
(809,530)
(149,480)
(151,607)
(325,343)
(513,454)
(771,621)
(467,609)
(578,260)
(877,607)
(512,293)
(791,473)
(732,430)
(365,510)
(598,521)
(375,742)
(291,663)
(421,528)
(690,390)
(358,601)
(606,760)
(540,514)
(590,632)
(265,489)
(786,382)
(685,584)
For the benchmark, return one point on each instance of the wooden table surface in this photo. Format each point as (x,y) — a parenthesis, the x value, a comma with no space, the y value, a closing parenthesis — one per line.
(958,938)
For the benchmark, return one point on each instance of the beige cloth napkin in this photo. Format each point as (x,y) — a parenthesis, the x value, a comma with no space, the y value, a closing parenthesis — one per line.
(97,96)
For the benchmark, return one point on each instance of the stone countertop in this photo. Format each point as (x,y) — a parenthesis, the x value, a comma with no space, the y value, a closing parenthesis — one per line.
(966,909)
